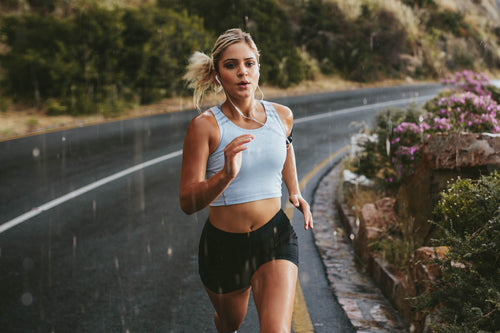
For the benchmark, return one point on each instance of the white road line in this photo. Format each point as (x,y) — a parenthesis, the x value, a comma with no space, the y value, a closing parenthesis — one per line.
(362,108)
(51,204)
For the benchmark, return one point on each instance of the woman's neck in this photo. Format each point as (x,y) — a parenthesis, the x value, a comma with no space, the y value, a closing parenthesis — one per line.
(238,107)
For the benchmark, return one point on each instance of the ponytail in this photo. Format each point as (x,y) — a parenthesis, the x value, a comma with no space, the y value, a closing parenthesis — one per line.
(199,76)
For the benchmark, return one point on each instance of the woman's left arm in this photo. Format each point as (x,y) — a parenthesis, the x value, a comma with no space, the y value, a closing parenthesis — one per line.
(289,171)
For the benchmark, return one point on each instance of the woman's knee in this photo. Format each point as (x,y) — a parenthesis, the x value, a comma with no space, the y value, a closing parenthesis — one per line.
(228,325)
(275,328)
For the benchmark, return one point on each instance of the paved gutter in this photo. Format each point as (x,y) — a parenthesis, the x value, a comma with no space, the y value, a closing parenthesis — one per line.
(366,307)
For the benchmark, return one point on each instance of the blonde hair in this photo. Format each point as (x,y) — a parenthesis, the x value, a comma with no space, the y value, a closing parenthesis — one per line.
(200,66)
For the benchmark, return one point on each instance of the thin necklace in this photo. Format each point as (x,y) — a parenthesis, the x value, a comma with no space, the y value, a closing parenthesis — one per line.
(258,122)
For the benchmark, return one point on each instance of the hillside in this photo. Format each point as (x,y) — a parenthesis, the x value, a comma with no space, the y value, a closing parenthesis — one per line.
(104,58)
(441,35)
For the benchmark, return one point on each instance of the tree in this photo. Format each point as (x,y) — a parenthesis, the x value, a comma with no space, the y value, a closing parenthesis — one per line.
(268,23)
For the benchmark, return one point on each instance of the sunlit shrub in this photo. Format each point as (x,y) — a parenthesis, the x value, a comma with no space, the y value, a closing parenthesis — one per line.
(467,296)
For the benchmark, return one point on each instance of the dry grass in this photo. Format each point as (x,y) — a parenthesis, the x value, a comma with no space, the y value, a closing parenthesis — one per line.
(355,200)
(352,9)
(448,4)
(473,12)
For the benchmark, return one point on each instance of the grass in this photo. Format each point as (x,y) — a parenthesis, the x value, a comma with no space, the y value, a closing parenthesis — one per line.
(352,9)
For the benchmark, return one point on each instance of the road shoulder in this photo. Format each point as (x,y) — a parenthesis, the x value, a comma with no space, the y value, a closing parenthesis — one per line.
(361,299)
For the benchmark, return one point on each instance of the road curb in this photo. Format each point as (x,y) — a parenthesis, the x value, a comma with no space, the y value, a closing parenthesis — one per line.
(363,302)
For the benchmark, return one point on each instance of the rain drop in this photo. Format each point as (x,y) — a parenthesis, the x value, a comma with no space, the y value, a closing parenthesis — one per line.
(27,299)
(36,152)
(169,252)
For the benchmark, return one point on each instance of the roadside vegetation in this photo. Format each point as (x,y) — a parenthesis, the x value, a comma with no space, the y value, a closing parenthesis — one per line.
(81,57)
(466,295)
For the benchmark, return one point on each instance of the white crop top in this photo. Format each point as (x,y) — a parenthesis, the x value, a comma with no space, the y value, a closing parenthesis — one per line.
(260,174)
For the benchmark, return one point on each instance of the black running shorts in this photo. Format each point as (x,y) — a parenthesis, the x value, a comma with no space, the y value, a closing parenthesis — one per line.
(227,261)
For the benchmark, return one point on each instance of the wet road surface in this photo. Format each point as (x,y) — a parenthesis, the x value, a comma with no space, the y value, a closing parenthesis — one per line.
(120,256)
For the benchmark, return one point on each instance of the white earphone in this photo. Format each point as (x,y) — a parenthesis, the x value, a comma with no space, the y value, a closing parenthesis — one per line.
(217,79)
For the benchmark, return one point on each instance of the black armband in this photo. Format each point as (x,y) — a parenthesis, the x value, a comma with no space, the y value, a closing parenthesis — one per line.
(290,138)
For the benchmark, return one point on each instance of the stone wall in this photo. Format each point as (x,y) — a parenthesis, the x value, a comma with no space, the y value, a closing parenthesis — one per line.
(445,157)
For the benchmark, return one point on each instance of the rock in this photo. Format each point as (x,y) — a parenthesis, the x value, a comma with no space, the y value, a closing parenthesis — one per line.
(385,207)
(453,151)
(374,220)
(422,270)
(380,214)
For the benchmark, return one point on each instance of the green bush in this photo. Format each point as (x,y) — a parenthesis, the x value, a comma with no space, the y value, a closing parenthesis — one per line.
(448,20)
(362,49)
(5,103)
(467,205)
(267,22)
(467,297)
(99,60)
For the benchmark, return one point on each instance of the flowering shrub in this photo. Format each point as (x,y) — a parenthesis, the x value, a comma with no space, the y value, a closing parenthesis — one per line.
(472,110)
(396,154)
(406,140)
(468,112)
(375,161)
(469,81)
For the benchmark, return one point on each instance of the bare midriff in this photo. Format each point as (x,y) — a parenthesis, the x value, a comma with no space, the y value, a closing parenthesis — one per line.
(245,217)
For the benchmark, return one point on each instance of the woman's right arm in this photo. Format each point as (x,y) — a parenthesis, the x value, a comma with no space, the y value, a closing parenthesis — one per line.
(196,192)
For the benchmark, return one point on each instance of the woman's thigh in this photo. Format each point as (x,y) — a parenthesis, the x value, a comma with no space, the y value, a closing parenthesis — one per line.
(273,288)
(231,308)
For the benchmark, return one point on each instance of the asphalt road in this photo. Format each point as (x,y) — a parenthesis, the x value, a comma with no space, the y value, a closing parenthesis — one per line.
(92,238)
